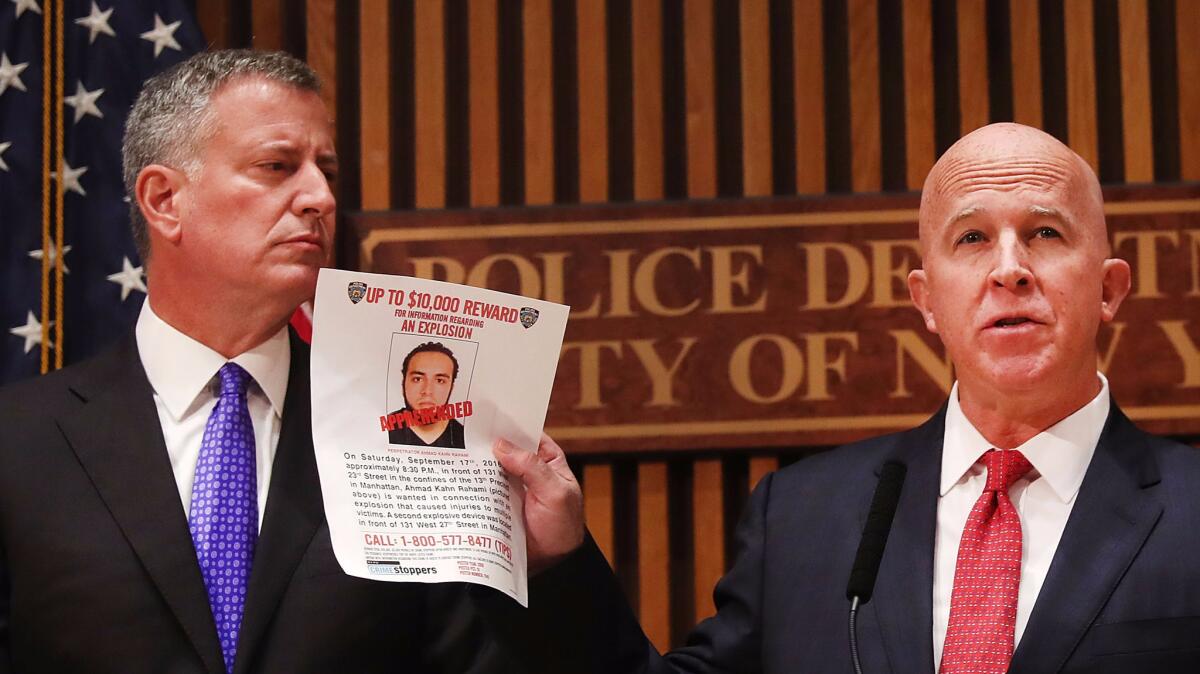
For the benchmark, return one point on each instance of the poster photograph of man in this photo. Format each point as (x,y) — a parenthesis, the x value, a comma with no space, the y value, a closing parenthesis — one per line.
(428,386)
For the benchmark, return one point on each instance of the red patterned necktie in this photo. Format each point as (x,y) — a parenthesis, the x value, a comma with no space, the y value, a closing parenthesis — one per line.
(983,605)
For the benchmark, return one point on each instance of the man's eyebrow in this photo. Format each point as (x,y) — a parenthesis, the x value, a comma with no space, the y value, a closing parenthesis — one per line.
(965,213)
(1046,211)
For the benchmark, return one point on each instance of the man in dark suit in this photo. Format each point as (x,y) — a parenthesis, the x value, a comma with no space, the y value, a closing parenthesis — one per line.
(1037,531)
(119,477)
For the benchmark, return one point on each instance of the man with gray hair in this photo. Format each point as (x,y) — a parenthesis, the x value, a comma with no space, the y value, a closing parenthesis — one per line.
(160,509)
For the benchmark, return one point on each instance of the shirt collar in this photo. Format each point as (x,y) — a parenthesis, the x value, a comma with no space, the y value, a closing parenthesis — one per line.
(1060,454)
(179,367)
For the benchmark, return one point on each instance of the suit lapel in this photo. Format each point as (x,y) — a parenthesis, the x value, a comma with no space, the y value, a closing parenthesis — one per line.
(117,437)
(293,514)
(904,588)
(1114,513)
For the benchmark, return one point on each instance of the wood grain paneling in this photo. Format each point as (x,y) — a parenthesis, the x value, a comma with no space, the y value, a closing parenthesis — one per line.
(484,103)
(654,586)
(375,110)
(756,98)
(701,107)
(1081,80)
(598,506)
(429,93)
(647,101)
(1135,91)
(266,18)
(972,65)
(708,533)
(1187,30)
(866,174)
(1026,62)
(808,87)
(322,50)
(920,148)
(591,33)
(760,466)
(539,101)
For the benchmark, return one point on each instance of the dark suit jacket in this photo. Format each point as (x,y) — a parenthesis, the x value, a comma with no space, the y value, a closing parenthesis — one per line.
(98,572)
(1122,593)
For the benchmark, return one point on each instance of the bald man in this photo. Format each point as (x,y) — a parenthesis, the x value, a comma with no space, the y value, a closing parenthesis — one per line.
(1037,531)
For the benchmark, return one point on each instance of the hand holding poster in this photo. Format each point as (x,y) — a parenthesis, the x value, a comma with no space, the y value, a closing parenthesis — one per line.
(413,381)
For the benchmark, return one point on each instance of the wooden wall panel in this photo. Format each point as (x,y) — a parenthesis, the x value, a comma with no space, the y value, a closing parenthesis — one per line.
(701,92)
(918,92)
(591,33)
(647,101)
(759,467)
(808,87)
(708,533)
(756,98)
(484,97)
(1081,80)
(429,92)
(267,21)
(972,65)
(1135,91)
(1026,62)
(536,35)
(1187,31)
(375,110)
(598,506)
(866,153)
(321,29)
(654,582)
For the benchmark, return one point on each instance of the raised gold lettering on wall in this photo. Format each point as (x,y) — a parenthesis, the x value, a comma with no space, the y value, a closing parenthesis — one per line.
(662,376)
(731,267)
(816,262)
(554,264)
(791,368)
(1193,236)
(1187,350)
(644,281)
(886,271)
(589,369)
(621,304)
(820,364)
(530,282)
(935,366)
(1105,358)
(438,268)
(1145,261)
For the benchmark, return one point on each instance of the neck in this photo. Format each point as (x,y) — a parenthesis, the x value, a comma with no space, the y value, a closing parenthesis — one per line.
(1008,420)
(431,432)
(226,323)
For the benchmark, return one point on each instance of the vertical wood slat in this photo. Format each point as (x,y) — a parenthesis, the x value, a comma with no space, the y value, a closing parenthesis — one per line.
(1026,63)
(647,101)
(654,594)
(1135,91)
(708,533)
(266,20)
(754,26)
(590,32)
(1081,80)
(598,506)
(429,97)
(919,144)
(760,466)
(536,23)
(865,136)
(1187,27)
(375,108)
(321,19)
(972,65)
(701,95)
(213,18)
(484,106)
(808,73)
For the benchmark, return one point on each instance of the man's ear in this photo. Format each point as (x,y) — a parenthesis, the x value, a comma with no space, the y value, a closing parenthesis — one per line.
(1115,285)
(158,189)
(918,289)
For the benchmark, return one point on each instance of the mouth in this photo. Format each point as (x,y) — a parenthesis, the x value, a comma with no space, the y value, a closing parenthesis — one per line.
(306,241)
(1013,323)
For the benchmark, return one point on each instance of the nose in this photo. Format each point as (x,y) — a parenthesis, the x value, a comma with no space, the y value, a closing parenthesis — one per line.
(1011,270)
(314,197)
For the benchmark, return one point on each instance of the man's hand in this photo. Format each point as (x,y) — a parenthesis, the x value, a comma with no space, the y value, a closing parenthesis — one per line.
(553,501)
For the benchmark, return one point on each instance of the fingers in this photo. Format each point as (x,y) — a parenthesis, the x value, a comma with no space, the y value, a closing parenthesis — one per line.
(532,470)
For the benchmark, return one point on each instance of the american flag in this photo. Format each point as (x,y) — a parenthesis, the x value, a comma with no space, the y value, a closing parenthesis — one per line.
(109,48)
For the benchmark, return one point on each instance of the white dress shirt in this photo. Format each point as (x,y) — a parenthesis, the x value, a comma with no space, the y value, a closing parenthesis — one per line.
(1060,456)
(183,374)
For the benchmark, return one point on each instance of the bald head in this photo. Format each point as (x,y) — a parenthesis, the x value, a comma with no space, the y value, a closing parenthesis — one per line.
(1010,157)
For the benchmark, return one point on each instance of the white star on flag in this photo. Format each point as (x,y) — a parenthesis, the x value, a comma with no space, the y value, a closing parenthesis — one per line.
(162,36)
(31,332)
(23,5)
(3,147)
(84,102)
(130,278)
(96,23)
(38,254)
(10,74)
(70,178)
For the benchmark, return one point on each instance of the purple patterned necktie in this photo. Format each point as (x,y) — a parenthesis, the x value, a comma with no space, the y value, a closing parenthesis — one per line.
(224,514)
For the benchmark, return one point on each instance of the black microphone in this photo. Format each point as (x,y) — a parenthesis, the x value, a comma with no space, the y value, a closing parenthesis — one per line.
(871,545)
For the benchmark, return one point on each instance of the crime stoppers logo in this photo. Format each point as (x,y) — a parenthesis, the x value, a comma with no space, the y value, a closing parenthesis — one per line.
(357,290)
(528,316)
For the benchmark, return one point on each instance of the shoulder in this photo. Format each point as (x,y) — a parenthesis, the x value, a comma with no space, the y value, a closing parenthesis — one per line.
(63,391)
